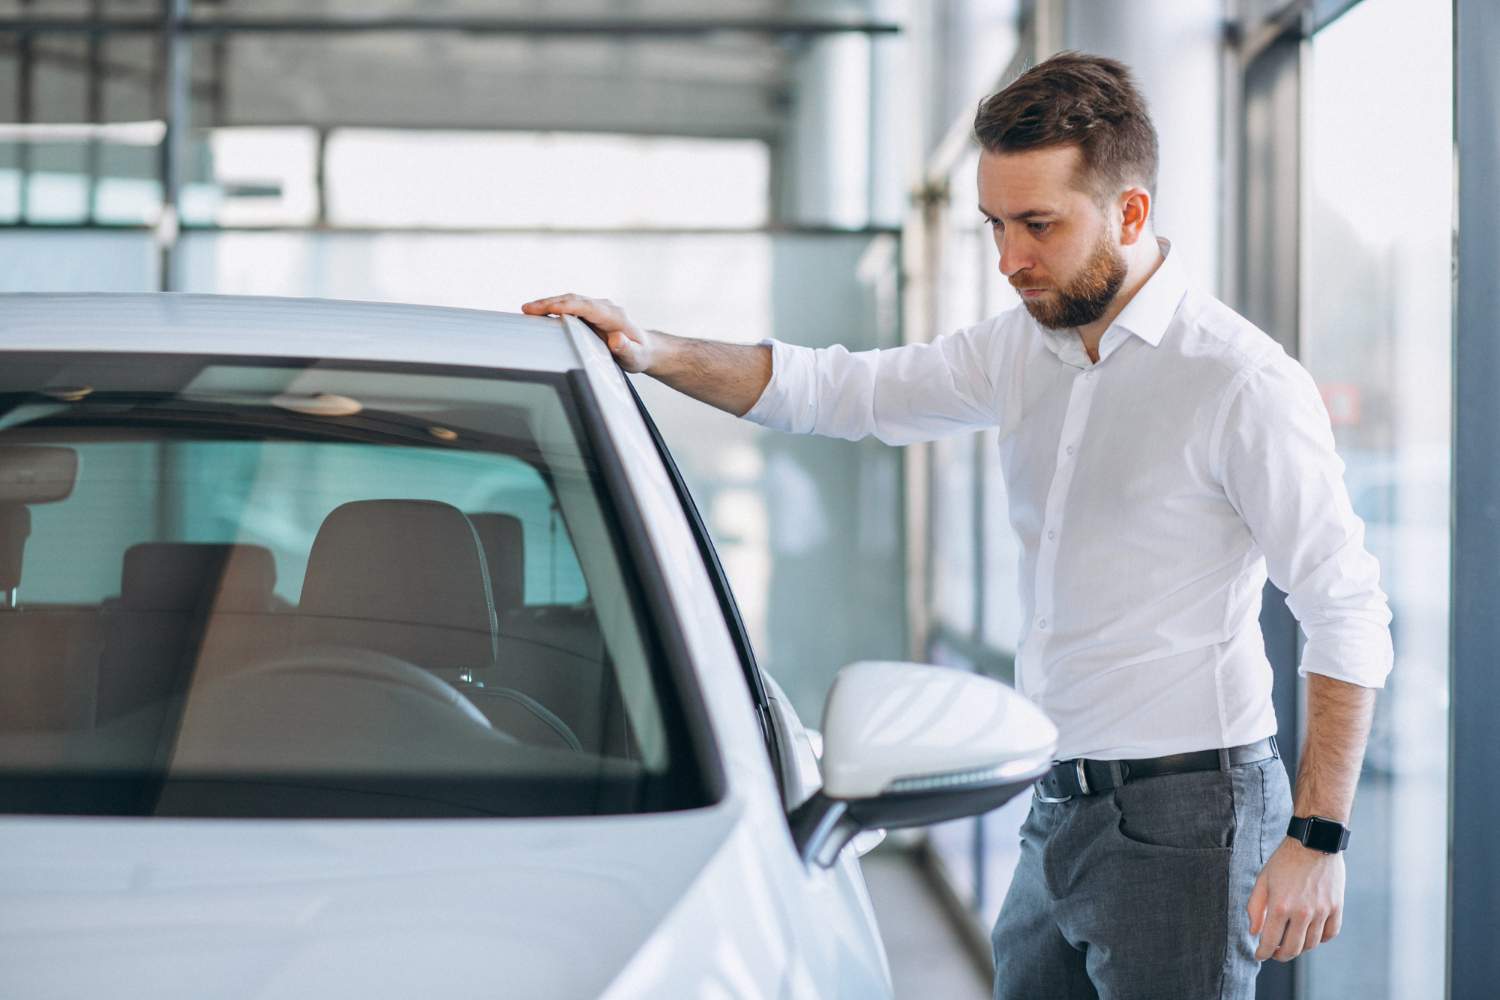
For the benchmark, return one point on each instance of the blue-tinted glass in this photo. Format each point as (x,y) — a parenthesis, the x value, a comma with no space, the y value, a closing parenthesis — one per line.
(1377,337)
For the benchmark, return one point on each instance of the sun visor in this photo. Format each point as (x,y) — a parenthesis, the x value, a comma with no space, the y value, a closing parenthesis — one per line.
(36,474)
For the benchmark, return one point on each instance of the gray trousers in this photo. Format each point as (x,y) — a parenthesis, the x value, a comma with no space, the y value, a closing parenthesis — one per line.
(1142,892)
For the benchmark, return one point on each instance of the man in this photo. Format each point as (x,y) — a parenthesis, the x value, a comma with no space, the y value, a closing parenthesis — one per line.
(1162,457)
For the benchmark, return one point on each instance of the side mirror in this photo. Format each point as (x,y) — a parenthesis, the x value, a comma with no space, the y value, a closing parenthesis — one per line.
(909,745)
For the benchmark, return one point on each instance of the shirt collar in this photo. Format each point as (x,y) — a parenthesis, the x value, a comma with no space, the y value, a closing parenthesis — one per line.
(1146,315)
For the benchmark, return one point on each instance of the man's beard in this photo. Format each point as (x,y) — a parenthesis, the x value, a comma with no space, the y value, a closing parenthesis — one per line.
(1084,299)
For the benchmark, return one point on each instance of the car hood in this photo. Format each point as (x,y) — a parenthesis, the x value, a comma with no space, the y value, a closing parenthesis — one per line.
(273,909)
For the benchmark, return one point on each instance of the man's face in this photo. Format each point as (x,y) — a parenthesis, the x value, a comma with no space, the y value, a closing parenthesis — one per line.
(1058,248)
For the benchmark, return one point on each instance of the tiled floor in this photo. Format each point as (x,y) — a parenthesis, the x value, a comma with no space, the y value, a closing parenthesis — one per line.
(927,958)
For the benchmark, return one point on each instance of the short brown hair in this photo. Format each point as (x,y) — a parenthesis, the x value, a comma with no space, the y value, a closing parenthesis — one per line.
(1075,99)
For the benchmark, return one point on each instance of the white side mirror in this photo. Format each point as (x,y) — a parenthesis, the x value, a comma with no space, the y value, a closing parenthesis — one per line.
(907,744)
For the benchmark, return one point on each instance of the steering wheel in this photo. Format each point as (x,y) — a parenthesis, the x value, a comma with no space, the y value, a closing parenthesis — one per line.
(381,668)
(330,706)
(364,665)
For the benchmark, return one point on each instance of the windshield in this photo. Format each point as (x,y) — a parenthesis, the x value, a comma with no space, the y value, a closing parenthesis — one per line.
(312,588)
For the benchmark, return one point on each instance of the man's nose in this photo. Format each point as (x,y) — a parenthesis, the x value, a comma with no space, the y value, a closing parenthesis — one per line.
(1013,257)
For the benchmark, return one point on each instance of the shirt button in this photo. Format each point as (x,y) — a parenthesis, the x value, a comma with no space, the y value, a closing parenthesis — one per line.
(1070,449)
(1051,536)
(1042,624)
(1088,374)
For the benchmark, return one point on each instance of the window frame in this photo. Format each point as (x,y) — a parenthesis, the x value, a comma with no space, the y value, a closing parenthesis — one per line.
(695,776)
(777,743)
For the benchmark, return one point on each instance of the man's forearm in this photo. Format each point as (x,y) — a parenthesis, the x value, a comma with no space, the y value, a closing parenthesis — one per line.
(1338,725)
(728,376)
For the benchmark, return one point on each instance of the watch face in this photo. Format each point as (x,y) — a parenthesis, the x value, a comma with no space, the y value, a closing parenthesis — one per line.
(1324,835)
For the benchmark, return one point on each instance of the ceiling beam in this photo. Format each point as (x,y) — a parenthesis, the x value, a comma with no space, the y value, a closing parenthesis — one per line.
(531,26)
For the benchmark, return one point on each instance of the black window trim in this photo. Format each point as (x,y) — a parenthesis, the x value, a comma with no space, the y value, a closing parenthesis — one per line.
(650,577)
(765,717)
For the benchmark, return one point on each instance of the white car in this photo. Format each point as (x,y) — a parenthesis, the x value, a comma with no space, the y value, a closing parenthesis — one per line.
(360,650)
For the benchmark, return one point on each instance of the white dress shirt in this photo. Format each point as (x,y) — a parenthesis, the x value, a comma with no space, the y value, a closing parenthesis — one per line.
(1152,493)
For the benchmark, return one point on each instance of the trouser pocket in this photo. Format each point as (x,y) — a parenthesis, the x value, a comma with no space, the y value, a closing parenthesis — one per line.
(1178,812)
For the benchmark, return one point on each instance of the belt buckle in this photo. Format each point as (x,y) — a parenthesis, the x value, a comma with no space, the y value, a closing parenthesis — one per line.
(1083,786)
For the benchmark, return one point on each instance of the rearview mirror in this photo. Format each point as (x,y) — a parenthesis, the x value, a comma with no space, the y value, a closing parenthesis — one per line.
(36,473)
(906,744)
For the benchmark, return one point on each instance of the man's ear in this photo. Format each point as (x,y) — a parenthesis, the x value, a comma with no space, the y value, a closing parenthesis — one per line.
(1135,212)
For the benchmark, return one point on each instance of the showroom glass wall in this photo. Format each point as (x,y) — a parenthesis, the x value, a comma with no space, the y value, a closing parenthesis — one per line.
(1377,305)
(1337,122)
(706,233)
(972,568)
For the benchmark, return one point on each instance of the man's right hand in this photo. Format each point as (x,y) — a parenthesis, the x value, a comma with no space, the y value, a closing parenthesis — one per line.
(635,349)
(729,376)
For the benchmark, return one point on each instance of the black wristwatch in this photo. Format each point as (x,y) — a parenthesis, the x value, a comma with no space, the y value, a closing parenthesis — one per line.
(1326,835)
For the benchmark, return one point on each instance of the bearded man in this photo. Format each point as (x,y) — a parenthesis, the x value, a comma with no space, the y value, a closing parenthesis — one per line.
(1162,458)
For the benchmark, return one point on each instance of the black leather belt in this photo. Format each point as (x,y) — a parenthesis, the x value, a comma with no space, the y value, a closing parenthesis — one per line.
(1079,776)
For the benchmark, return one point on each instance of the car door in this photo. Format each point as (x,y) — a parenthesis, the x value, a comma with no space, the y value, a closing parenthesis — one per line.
(840,917)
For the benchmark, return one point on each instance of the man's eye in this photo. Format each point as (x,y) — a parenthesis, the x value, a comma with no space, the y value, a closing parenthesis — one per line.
(1039,227)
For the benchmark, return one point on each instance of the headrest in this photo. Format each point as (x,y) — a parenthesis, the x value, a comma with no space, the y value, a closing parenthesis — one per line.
(414,562)
(178,576)
(15,528)
(504,545)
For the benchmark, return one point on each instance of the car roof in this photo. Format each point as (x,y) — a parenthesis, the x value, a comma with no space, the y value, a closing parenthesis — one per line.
(264,326)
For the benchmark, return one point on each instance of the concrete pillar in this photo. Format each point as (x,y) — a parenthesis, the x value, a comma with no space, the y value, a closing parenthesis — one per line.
(823,160)
(1174,48)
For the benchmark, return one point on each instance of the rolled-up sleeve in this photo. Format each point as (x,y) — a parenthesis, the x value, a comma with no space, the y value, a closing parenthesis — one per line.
(1279,469)
(900,395)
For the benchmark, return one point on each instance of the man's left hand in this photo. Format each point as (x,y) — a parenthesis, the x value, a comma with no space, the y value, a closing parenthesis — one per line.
(1298,901)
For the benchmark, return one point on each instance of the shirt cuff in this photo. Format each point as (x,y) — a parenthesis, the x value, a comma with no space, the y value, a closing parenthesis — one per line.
(1356,652)
(787,403)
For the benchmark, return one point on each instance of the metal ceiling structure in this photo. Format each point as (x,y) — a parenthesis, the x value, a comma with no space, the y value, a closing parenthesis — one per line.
(740,69)
(620,66)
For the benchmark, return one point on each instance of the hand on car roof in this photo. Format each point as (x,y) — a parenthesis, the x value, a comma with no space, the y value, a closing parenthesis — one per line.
(631,346)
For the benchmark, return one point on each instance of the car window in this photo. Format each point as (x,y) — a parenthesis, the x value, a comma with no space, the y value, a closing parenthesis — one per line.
(316,588)
(280,491)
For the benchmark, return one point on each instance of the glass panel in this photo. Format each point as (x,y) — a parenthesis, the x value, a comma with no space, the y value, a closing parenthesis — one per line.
(808,529)
(63,167)
(954,475)
(1377,307)
(388,102)
(723,86)
(543,179)
(56,181)
(830,586)
(78,262)
(61,574)
(1002,558)
(129,187)
(982,857)
(970,42)
(56,189)
(954,561)
(78,9)
(255,177)
(318,591)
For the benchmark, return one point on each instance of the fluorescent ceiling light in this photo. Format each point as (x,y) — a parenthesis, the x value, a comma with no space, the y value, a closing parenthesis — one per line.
(147,133)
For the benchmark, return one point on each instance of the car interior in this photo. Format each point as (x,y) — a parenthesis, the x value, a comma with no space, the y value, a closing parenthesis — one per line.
(414,644)
(411,579)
